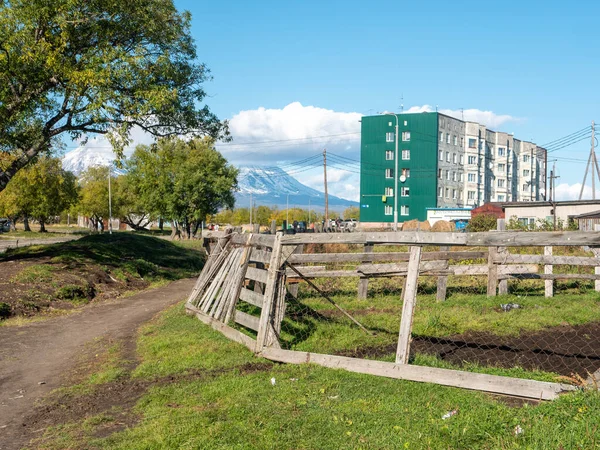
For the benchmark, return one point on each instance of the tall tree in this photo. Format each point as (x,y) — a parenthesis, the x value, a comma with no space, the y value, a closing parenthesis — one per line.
(182,181)
(94,195)
(79,67)
(41,191)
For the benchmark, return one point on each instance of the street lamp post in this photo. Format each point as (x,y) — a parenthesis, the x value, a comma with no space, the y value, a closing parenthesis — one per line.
(395,174)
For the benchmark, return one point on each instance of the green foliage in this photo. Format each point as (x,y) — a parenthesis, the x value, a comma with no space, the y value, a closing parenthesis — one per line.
(542,225)
(94,194)
(181,181)
(41,191)
(5,310)
(79,67)
(482,222)
(74,292)
(32,274)
(352,212)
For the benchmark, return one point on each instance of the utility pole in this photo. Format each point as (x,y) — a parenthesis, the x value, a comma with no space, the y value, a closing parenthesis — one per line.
(553,193)
(109,203)
(325,180)
(592,161)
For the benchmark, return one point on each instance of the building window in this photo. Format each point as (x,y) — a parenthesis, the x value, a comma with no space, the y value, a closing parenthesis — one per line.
(406,123)
(525,187)
(440,191)
(501,198)
(390,137)
(453,176)
(440,174)
(454,158)
(406,136)
(471,195)
(447,138)
(501,167)
(389,210)
(447,192)
(441,155)
(462,159)
(455,139)
(405,172)
(461,177)
(389,173)
(471,177)
(441,136)
(472,159)
(501,183)
(454,194)
(447,156)
(404,191)
(462,142)
(525,158)
(389,191)
(404,210)
(500,151)
(405,154)
(525,173)
(472,143)
(389,155)
(448,175)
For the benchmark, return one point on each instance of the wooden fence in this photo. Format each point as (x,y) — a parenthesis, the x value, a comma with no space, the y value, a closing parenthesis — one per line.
(274,264)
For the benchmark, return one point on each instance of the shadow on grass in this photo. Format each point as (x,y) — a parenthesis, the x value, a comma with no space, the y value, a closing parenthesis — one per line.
(146,254)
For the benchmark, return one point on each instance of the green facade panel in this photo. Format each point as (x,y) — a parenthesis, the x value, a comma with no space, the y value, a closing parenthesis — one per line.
(422,183)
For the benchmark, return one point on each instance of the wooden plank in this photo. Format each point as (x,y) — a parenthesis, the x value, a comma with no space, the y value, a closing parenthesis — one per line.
(382,257)
(251,297)
(252,273)
(480,269)
(363,283)
(294,287)
(260,255)
(228,332)
(246,320)
(310,273)
(370,269)
(502,282)
(531,238)
(548,284)
(270,291)
(237,287)
(442,282)
(517,387)
(409,300)
(265,240)
(596,252)
(546,259)
(492,283)
(213,234)
(380,237)
(553,276)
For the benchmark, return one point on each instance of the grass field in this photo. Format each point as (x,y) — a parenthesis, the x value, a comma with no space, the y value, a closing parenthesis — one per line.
(199,390)
(51,278)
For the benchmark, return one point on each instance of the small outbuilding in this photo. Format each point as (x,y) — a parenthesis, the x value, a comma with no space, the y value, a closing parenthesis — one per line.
(588,221)
(491,208)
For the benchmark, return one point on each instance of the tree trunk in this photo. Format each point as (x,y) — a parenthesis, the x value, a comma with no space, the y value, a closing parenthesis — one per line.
(188,230)
(160,224)
(196,227)
(26,223)
(43,226)
(101,223)
(13,223)
(175,231)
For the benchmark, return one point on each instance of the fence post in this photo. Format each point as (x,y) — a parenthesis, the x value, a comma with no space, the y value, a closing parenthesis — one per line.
(270,294)
(363,282)
(293,288)
(492,272)
(442,282)
(273,226)
(503,283)
(548,284)
(409,300)
(596,252)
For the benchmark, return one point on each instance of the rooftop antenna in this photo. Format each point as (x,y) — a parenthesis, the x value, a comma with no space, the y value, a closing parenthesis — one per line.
(462,112)
(592,161)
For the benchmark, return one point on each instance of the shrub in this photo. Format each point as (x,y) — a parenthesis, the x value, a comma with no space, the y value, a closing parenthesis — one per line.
(5,310)
(482,222)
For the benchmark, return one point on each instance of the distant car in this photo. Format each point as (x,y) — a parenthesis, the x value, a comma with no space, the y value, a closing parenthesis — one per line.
(4,225)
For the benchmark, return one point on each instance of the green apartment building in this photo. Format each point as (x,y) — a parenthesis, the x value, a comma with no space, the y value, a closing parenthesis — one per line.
(443,162)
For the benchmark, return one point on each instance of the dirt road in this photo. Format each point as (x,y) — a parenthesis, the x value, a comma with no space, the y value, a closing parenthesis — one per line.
(14,243)
(34,359)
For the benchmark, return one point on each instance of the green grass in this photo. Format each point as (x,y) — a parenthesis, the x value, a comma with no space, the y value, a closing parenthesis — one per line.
(34,273)
(127,254)
(225,406)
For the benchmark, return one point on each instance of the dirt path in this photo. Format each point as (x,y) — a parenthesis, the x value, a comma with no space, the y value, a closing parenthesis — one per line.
(24,242)
(44,352)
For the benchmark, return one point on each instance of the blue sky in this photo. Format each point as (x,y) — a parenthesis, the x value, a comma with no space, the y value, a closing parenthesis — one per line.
(535,62)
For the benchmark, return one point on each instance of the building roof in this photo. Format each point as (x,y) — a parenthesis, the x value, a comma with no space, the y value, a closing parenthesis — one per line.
(590,215)
(547,203)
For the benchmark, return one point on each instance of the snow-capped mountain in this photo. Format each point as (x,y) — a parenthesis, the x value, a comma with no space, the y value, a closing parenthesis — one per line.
(270,186)
(81,158)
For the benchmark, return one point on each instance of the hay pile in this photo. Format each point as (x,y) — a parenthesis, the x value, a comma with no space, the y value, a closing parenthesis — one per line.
(415,225)
(442,226)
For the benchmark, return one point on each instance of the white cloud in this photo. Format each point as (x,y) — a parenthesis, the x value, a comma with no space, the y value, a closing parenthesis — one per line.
(487,118)
(565,191)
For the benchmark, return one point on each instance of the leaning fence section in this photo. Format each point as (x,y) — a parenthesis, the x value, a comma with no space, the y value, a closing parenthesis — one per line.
(514,313)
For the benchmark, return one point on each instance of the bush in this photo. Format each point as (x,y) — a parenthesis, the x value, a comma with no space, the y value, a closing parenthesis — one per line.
(5,310)
(482,222)
(74,292)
